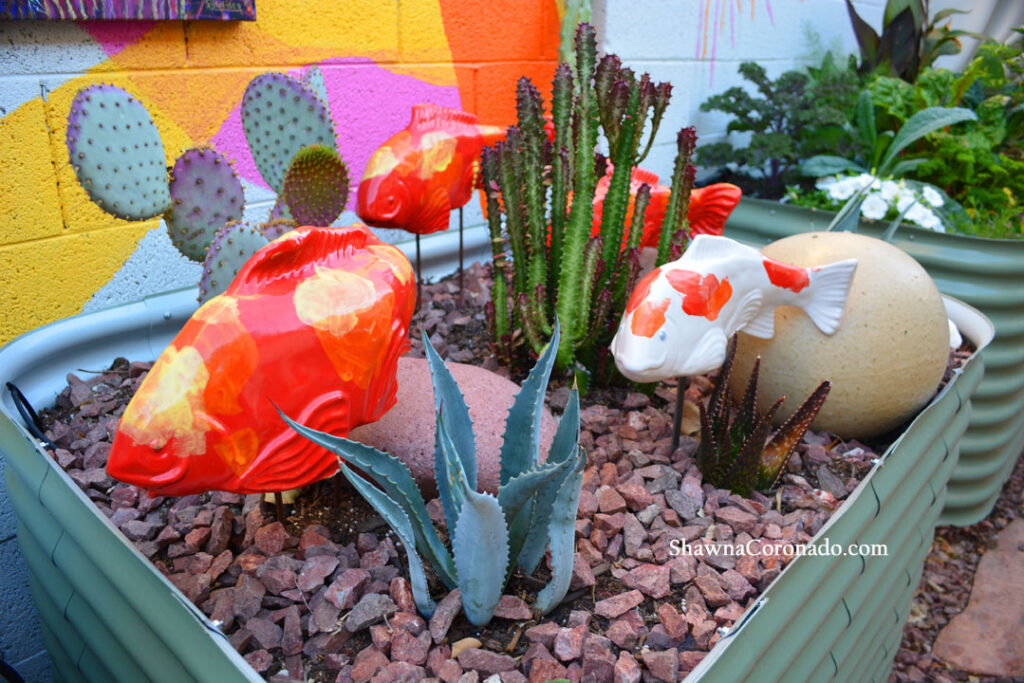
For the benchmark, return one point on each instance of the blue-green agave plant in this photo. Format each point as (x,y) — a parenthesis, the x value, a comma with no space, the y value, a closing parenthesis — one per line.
(490,536)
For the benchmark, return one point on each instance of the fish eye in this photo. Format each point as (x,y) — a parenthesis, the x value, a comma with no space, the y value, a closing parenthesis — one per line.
(662,336)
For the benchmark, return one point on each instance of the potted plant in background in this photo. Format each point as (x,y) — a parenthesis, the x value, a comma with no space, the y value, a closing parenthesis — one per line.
(972,170)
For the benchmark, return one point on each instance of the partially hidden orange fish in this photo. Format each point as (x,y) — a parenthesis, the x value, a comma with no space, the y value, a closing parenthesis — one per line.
(709,208)
(313,324)
(680,316)
(415,179)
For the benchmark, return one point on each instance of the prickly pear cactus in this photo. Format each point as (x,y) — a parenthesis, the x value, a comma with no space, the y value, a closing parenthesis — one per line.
(280,210)
(207,195)
(232,246)
(314,80)
(316,186)
(117,154)
(280,116)
(275,227)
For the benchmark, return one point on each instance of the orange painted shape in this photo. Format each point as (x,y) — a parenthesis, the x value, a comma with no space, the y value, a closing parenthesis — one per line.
(703,295)
(649,318)
(642,290)
(313,325)
(793,278)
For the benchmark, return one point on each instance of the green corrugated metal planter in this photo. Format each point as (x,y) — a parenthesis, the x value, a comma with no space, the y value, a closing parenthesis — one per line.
(841,617)
(987,274)
(108,615)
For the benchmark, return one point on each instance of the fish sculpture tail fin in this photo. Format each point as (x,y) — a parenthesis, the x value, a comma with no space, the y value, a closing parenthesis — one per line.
(829,289)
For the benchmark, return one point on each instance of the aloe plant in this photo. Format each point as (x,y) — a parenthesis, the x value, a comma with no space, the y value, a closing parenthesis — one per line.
(490,535)
(732,453)
(540,185)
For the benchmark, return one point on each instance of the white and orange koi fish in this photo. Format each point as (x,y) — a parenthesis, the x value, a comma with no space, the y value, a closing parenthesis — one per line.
(680,316)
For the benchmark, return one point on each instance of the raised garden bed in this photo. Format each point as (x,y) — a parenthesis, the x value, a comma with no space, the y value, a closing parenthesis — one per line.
(639,498)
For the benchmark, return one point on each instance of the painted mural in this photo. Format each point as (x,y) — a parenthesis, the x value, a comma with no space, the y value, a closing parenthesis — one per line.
(224,10)
(378,61)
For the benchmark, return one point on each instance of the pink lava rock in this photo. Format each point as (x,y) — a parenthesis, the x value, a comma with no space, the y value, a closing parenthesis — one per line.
(407,430)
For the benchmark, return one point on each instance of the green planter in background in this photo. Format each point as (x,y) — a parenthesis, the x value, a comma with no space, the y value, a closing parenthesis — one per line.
(987,274)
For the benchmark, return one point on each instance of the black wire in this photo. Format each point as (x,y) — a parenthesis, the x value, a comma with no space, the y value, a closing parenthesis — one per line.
(9,674)
(28,414)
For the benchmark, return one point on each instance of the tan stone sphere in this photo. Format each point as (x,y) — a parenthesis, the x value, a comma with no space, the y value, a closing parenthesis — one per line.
(887,357)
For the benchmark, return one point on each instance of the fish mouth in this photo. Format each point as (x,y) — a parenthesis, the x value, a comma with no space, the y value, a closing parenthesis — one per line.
(639,362)
(378,208)
(144,465)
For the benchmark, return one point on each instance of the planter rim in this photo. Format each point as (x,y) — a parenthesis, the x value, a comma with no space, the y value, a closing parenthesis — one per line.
(908,230)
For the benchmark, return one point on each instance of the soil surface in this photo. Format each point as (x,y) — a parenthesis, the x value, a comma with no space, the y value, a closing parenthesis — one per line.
(318,590)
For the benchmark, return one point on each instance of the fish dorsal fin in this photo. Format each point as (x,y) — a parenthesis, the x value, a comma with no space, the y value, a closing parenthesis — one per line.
(747,311)
(713,248)
(295,255)
(642,175)
(434,116)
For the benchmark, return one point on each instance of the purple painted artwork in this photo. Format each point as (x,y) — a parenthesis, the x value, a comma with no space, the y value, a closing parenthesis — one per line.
(224,10)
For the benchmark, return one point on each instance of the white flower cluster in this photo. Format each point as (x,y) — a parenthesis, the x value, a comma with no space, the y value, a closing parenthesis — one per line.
(885,194)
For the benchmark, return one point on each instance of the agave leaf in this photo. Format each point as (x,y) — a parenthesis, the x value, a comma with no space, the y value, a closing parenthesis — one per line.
(779,449)
(528,549)
(562,533)
(866,119)
(480,544)
(742,474)
(514,495)
(522,427)
(399,522)
(393,476)
(448,469)
(456,412)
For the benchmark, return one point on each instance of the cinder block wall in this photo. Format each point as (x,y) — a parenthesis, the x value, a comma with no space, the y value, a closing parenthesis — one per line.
(60,254)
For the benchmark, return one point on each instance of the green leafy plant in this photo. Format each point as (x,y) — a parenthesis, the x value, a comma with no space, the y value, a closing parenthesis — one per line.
(490,536)
(909,41)
(790,119)
(117,153)
(732,452)
(540,194)
(885,160)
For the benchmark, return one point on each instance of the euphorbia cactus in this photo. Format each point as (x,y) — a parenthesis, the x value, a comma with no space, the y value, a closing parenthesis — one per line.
(557,267)
(535,508)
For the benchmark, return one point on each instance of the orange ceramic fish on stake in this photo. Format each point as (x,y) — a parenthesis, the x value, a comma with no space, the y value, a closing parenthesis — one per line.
(415,179)
(313,324)
(708,210)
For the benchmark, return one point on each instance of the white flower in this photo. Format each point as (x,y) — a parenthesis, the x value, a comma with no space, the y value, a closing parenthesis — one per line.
(904,201)
(865,180)
(924,217)
(891,190)
(931,196)
(874,206)
(842,189)
(825,182)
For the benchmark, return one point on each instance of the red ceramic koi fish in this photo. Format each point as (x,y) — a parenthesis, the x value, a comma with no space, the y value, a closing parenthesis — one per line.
(680,316)
(313,324)
(709,206)
(415,179)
